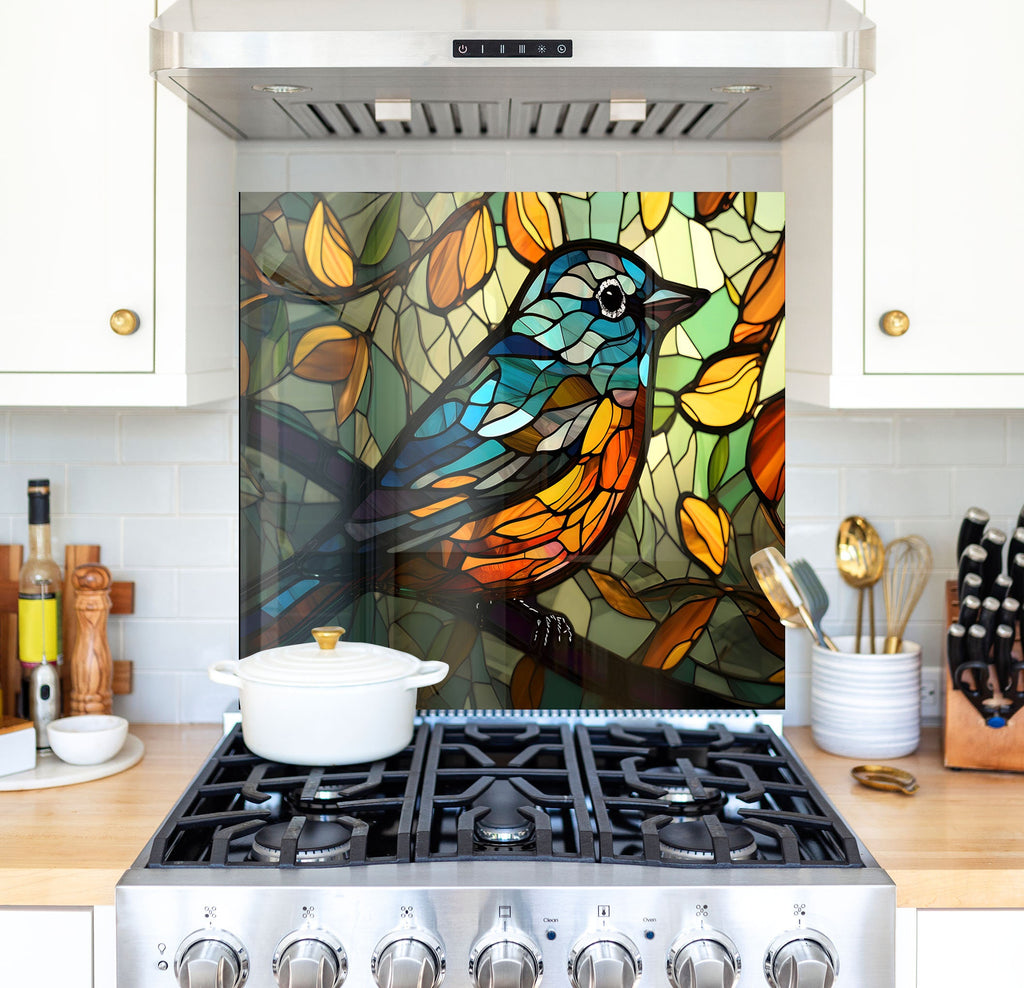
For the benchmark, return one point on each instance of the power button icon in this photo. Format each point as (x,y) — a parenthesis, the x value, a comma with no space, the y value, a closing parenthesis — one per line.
(463,49)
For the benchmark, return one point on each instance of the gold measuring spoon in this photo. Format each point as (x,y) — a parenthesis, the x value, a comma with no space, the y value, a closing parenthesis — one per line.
(885,777)
(860,559)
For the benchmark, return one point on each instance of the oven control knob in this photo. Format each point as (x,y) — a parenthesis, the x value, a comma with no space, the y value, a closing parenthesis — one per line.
(506,962)
(410,959)
(705,960)
(801,959)
(608,960)
(310,959)
(211,959)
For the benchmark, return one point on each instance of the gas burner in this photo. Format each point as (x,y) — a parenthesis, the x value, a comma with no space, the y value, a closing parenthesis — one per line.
(691,841)
(318,843)
(502,823)
(326,803)
(681,801)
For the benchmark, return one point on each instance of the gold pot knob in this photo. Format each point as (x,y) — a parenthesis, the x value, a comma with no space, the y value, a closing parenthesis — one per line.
(895,323)
(328,637)
(124,322)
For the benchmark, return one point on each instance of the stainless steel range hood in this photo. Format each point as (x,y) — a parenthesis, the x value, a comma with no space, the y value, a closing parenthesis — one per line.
(330,69)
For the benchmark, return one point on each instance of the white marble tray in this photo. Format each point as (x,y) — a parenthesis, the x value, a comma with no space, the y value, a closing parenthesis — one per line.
(50,771)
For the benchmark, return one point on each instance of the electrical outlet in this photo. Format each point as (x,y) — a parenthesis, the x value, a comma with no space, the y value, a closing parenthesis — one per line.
(931,694)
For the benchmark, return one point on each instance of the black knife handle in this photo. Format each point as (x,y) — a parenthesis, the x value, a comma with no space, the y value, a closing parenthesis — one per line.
(993,542)
(1002,660)
(977,645)
(973,524)
(1016,545)
(988,619)
(1020,518)
(956,652)
(1009,612)
(972,560)
(970,608)
(1001,587)
(1016,570)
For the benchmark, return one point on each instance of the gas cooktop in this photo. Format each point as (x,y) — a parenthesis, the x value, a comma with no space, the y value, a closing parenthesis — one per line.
(637,792)
(494,851)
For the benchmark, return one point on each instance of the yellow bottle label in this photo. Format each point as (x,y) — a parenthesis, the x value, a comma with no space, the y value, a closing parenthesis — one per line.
(38,626)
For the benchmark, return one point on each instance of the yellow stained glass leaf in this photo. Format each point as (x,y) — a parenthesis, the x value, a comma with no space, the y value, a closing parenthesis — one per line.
(346,393)
(678,632)
(654,208)
(531,224)
(618,594)
(476,252)
(724,393)
(462,260)
(705,529)
(327,250)
(765,294)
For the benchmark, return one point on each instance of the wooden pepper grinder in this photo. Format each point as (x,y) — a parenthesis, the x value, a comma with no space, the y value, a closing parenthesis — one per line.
(92,670)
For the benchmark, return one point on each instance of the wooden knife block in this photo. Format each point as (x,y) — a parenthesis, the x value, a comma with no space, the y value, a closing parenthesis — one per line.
(122,596)
(967,741)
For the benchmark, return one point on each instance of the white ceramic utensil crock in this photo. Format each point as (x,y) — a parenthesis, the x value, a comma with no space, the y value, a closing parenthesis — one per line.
(324,703)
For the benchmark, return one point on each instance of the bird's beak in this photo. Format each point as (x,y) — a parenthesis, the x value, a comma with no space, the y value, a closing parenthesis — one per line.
(670,304)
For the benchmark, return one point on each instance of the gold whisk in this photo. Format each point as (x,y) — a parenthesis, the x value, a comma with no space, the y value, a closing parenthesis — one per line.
(908,564)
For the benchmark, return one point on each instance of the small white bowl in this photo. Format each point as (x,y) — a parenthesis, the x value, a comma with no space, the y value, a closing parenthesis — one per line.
(87,739)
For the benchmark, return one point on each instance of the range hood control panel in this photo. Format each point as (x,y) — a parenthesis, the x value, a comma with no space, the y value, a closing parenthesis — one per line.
(512,48)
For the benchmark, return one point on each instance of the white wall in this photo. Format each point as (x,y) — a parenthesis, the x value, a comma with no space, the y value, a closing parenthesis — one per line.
(158,490)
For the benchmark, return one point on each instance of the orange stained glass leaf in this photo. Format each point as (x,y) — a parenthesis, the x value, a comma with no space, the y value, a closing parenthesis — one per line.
(443,284)
(327,353)
(768,631)
(766,450)
(461,261)
(724,393)
(527,684)
(678,633)
(243,368)
(528,225)
(477,251)
(327,250)
(346,393)
(654,209)
(705,529)
(619,596)
(765,294)
(707,205)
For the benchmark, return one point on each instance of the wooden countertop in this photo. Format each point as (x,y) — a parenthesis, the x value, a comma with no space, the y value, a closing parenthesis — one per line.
(958,843)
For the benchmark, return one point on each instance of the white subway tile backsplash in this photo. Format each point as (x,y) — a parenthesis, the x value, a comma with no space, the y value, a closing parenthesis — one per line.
(14,478)
(344,172)
(203,701)
(175,437)
(156,592)
(999,490)
(155,541)
(208,593)
(896,493)
(101,530)
(577,167)
(926,440)
(811,492)
(179,645)
(816,440)
(470,170)
(122,489)
(757,171)
(155,698)
(209,490)
(665,172)
(76,437)
(261,171)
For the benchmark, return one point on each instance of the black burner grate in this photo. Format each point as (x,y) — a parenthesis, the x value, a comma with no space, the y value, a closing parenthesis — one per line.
(502,789)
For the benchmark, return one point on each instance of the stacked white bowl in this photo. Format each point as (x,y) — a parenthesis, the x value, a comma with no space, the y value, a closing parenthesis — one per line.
(866,705)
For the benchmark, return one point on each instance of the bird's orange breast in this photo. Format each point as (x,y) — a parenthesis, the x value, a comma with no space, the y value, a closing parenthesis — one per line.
(515,550)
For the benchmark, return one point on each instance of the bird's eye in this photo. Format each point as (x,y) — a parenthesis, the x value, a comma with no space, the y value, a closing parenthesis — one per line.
(611,298)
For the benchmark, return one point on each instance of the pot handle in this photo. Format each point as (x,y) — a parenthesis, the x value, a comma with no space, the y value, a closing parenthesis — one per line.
(224,672)
(429,674)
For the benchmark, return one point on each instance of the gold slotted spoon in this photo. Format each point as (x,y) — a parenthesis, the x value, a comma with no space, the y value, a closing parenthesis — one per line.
(860,559)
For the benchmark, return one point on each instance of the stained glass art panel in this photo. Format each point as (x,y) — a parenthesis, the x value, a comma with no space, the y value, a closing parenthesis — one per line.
(537,435)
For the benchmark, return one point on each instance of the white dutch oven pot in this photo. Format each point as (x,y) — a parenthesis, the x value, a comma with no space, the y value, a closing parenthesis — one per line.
(322,703)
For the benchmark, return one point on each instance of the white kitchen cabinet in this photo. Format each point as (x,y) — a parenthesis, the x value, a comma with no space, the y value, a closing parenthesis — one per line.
(97,219)
(969,947)
(902,198)
(46,946)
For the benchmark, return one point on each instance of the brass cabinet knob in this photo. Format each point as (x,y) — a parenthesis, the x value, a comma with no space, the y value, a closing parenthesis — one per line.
(124,322)
(895,323)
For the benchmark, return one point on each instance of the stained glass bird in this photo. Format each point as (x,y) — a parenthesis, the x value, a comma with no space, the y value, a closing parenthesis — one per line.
(517,470)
